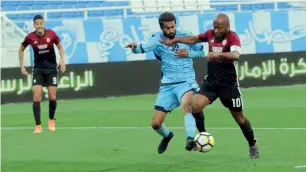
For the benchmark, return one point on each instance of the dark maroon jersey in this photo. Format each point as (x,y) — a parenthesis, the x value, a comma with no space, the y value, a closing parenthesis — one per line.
(222,71)
(43,48)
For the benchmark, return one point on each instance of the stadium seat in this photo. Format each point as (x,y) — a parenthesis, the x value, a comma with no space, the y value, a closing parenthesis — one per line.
(219,8)
(284,5)
(231,8)
(54,15)
(269,6)
(9,5)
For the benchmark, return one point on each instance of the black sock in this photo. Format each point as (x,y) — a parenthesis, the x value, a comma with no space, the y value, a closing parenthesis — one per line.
(199,118)
(248,133)
(52,108)
(36,111)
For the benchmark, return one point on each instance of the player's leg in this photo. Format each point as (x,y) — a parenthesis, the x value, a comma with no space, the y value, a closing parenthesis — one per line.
(52,88)
(247,131)
(205,95)
(184,93)
(189,121)
(159,126)
(37,85)
(232,99)
(165,103)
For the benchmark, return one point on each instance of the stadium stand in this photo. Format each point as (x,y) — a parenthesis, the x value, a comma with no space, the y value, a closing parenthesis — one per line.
(132,7)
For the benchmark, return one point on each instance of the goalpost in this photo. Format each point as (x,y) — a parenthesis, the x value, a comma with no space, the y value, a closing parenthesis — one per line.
(11,39)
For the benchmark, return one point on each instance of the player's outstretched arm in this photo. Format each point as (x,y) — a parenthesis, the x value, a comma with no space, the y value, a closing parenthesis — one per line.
(134,47)
(184,40)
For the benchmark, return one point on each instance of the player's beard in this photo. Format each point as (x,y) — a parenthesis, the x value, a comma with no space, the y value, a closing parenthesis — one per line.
(171,35)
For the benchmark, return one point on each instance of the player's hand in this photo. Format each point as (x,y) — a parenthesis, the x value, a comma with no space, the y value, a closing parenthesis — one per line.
(212,55)
(168,42)
(181,52)
(131,45)
(62,65)
(24,71)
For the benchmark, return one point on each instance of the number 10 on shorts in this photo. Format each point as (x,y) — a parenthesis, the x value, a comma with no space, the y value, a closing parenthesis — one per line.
(236,102)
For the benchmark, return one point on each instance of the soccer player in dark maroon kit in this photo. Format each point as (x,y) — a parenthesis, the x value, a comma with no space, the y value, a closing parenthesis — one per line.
(221,80)
(45,71)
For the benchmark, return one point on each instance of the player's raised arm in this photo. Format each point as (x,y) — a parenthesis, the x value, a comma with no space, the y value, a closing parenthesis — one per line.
(203,37)
(184,40)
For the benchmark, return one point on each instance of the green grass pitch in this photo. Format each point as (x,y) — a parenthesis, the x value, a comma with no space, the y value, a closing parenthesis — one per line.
(114,135)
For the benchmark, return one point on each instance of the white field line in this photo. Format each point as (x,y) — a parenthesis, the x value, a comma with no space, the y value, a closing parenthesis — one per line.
(300,166)
(137,128)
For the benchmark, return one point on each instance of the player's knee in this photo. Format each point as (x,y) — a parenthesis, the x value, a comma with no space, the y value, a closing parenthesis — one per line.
(52,97)
(37,97)
(197,106)
(239,117)
(186,108)
(156,124)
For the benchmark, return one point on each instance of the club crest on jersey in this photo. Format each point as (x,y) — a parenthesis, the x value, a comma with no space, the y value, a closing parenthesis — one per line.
(48,40)
(224,42)
(217,49)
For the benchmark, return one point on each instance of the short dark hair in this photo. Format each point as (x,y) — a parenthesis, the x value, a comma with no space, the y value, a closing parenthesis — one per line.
(38,17)
(166,17)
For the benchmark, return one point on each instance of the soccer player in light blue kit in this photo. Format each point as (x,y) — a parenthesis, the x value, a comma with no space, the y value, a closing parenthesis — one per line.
(178,82)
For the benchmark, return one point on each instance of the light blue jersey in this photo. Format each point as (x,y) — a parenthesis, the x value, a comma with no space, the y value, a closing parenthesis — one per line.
(178,76)
(174,69)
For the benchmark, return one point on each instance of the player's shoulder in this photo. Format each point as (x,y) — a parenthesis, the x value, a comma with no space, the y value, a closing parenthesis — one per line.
(156,35)
(50,31)
(209,32)
(233,35)
(31,34)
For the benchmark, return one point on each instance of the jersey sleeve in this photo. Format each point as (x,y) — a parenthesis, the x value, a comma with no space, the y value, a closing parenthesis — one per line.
(56,39)
(26,41)
(196,51)
(147,45)
(235,44)
(203,37)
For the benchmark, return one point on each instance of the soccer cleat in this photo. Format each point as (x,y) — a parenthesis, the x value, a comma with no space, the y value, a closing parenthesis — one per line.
(51,125)
(38,129)
(254,151)
(164,143)
(190,144)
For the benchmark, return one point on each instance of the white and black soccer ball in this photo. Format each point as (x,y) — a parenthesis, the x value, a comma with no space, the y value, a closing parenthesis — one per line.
(204,142)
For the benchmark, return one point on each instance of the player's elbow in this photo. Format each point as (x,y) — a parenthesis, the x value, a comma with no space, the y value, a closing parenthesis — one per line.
(236,55)
(21,49)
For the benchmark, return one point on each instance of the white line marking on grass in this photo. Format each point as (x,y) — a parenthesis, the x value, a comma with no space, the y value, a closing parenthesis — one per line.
(300,166)
(137,128)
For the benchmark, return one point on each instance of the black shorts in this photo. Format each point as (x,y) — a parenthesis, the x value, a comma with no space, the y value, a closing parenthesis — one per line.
(45,77)
(230,96)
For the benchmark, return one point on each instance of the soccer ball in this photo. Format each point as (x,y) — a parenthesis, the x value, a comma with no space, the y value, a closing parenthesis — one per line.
(204,142)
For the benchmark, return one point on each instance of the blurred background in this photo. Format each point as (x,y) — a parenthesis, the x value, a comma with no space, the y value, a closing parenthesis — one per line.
(106,96)
(94,33)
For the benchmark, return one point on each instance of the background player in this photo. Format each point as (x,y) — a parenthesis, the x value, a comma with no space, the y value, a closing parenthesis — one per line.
(45,68)
(221,81)
(178,82)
